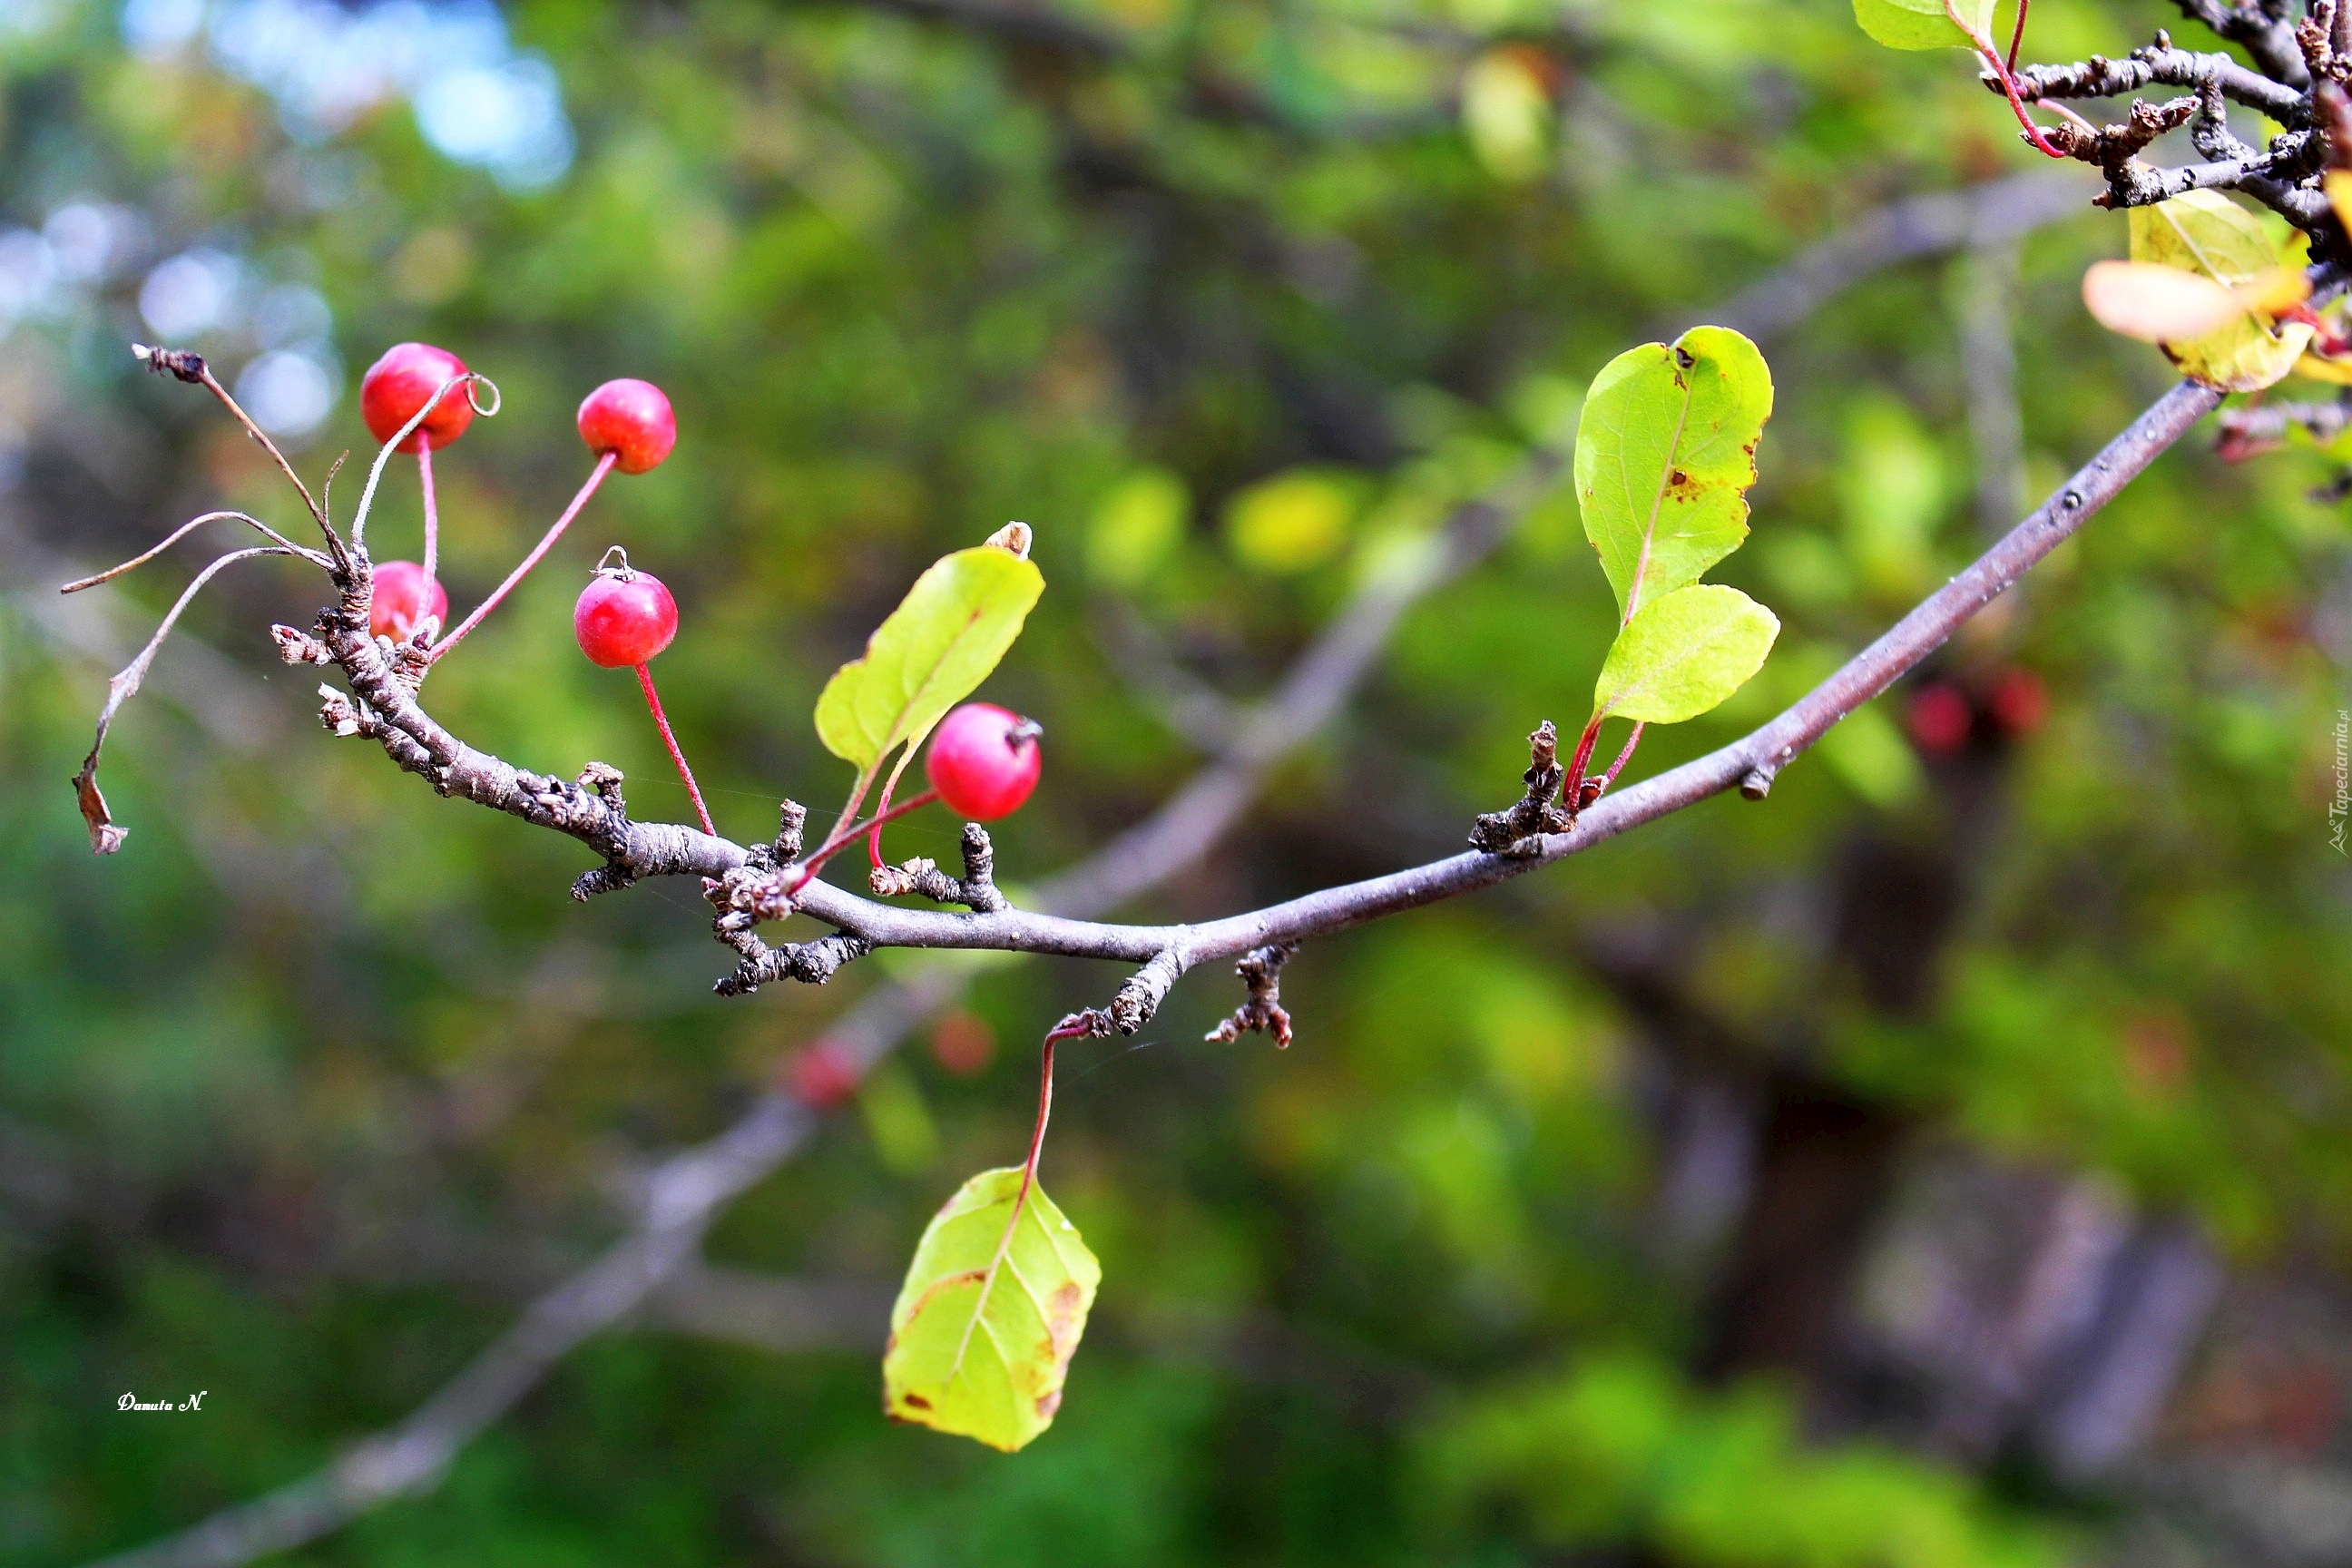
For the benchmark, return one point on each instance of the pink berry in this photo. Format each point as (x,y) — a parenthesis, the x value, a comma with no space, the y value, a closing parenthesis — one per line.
(401,383)
(985,761)
(630,419)
(624,617)
(400,604)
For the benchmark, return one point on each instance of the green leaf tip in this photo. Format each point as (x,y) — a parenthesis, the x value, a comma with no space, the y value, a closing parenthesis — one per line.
(1924,23)
(1683,653)
(940,644)
(979,1344)
(1665,452)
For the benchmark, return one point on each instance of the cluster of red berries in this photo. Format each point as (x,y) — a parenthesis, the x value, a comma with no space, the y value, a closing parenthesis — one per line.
(983,760)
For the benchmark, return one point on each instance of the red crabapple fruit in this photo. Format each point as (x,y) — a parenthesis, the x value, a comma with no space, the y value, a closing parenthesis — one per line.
(632,421)
(985,761)
(403,382)
(624,617)
(400,603)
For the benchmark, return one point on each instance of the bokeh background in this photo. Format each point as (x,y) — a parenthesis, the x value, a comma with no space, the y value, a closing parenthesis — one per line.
(1942,1164)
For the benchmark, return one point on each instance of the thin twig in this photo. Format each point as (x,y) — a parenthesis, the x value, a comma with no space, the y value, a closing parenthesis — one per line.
(105,836)
(169,540)
(192,368)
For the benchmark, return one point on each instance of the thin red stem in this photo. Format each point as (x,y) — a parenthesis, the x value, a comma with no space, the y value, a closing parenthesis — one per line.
(881,815)
(1069,1028)
(1624,757)
(2006,71)
(661,723)
(547,542)
(1576,764)
(432,518)
(844,838)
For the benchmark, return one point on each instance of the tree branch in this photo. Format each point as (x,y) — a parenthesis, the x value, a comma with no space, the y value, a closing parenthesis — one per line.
(687,1187)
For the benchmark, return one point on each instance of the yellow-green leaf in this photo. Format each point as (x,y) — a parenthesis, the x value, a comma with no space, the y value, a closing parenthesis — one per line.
(1665,451)
(1294,521)
(1506,113)
(940,642)
(983,1331)
(1135,526)
(1924,24)
(1683,653)
(2205,232)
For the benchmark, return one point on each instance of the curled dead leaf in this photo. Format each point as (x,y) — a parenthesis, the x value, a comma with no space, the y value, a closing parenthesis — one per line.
(105,837)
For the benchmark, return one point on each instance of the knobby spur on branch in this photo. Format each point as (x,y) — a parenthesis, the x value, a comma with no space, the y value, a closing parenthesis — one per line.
(997,1295)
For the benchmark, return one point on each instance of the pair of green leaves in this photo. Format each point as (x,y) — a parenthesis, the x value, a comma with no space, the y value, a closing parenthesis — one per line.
(1666,454)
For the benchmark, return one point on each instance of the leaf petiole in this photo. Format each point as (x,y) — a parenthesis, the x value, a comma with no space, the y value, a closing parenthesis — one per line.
(1069,1028)
(2005,72)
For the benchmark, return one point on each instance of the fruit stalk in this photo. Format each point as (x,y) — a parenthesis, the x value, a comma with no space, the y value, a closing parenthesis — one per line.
(547,542)
(432,518)
(661,723)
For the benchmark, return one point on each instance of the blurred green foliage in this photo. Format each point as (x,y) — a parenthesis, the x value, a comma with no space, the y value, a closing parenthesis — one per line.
(311,1085)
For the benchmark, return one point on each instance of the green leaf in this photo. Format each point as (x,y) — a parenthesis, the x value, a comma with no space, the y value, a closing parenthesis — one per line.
(940,642)
(2205,232)
(1664,454)
(1924,23)
(978,1348)
(1682,654)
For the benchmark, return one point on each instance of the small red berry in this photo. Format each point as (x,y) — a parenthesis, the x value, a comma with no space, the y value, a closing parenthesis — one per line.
(400,604)
(2019,701)
(963,1043)
(823,1075)
(1940,718)
(631,420)
(985,761)
(624,617)
(401,382)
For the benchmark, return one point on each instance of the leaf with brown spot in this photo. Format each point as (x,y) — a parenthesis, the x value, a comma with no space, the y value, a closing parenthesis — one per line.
(1665,452)
(980,1347)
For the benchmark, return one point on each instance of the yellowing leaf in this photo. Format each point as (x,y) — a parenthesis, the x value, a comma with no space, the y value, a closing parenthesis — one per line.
(1295,520)
(2155,303)
(2208,235)
(2339,370)
(1665,452)
(2279,290)
(983,1331)
(1924,24)
(1683,653)
(942,641)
